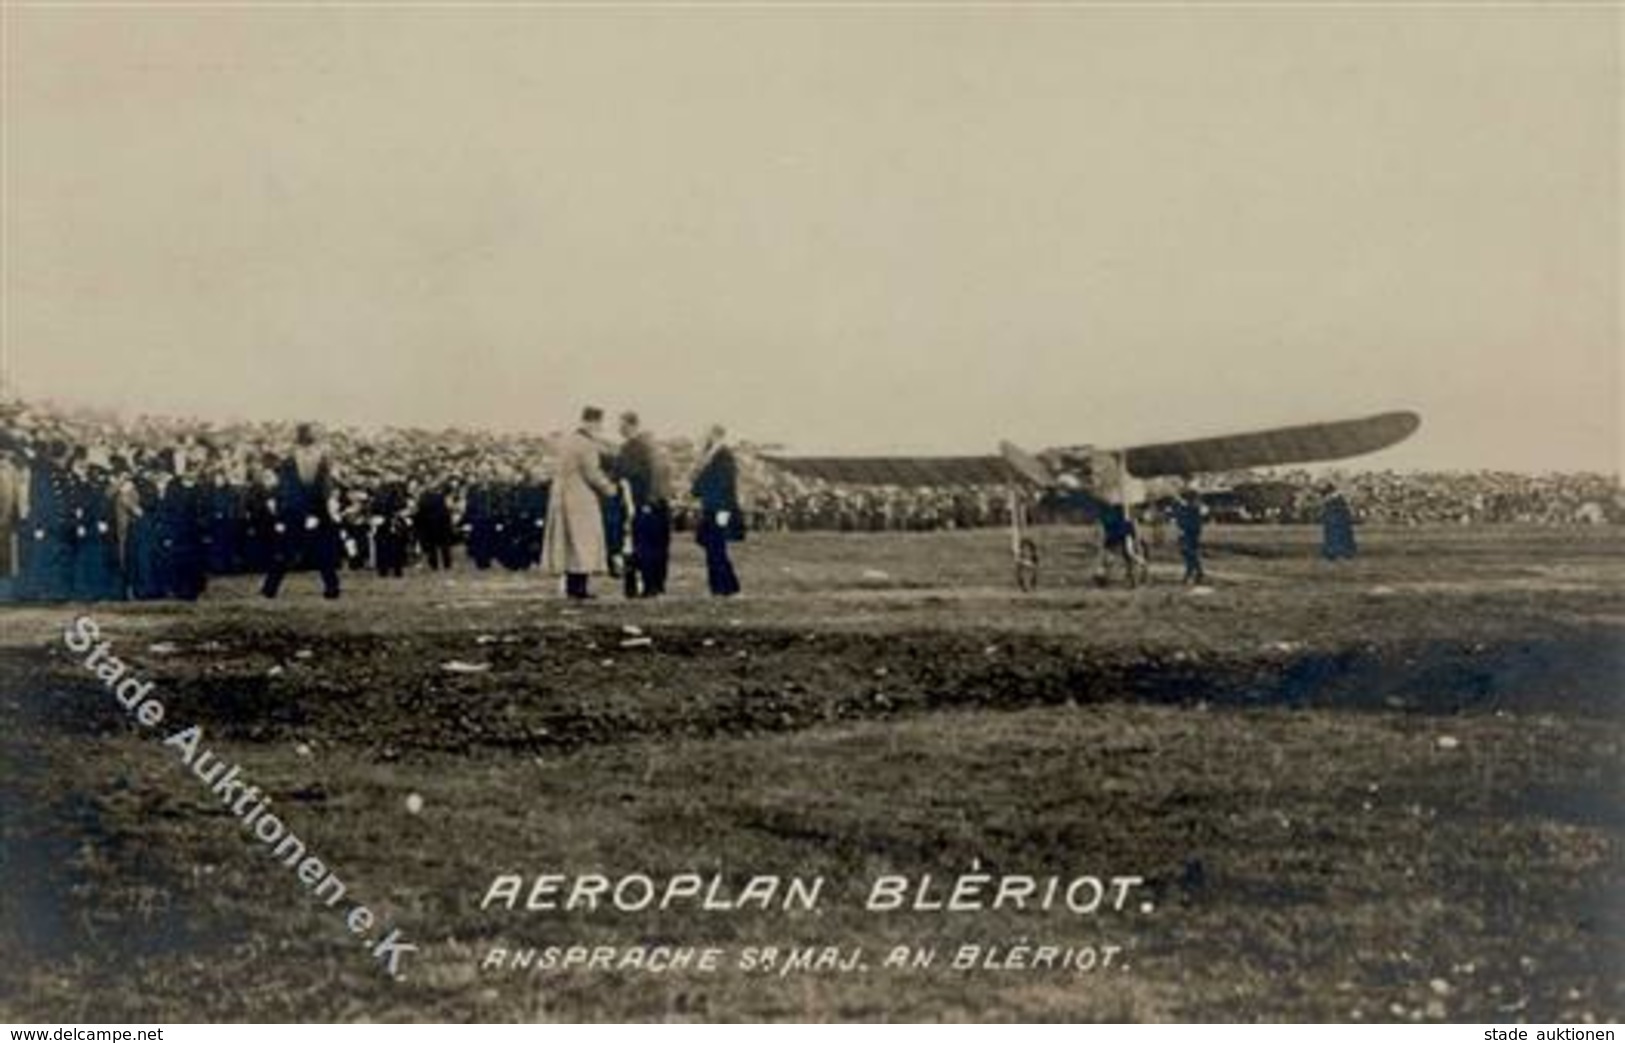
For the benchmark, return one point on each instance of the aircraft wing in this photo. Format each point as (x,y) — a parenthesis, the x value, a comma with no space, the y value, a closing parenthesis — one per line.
(1332,440)
(901,470)
(1304,443)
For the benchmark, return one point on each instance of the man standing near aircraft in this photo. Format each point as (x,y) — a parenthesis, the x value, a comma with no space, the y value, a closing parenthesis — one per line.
(573,541)
(1337,525)
(1119,539)
(1187,514)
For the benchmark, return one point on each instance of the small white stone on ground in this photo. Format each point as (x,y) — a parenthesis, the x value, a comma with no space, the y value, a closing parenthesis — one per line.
(463,666)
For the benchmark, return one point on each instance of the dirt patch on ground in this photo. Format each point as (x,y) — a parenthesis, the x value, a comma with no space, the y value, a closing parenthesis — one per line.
(593,685)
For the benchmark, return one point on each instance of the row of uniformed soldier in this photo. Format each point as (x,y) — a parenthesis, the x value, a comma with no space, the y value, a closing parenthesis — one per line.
(501,523)
(505,521)
(90,533)
(82,530)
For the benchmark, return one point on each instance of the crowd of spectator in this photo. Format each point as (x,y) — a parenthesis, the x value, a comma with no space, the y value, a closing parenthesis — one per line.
(1426,497)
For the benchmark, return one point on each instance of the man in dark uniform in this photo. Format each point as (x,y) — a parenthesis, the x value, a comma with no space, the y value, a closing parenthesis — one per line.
(716,486)
(646,476)
(222,535)
(181,523)
(267,532)
(303,507)
(259,532)
(389,512)
(480,516)
(141,545)
(96,575)
(1187,515)
(124,492)
(501,507)
(434,525)
(529,520)
(47,573)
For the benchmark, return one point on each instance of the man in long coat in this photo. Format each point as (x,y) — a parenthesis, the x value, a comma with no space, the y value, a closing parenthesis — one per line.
(573,539)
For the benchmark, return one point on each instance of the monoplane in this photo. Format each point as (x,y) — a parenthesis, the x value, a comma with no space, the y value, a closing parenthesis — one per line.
(1126,477)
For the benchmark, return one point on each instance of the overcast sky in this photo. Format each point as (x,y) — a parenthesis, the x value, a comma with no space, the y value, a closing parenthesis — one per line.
(842,229)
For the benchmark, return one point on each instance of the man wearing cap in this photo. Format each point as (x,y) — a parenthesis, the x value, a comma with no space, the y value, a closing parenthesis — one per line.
(573,539)
(646,472)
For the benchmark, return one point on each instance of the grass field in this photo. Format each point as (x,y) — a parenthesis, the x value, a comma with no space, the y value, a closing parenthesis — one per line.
(1387,790)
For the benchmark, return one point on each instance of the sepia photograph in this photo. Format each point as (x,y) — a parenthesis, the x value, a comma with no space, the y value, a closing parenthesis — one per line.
(812,512)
